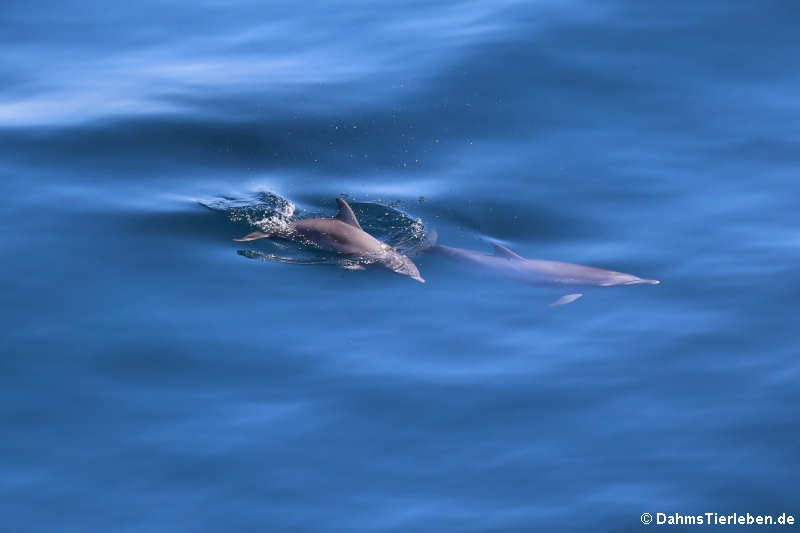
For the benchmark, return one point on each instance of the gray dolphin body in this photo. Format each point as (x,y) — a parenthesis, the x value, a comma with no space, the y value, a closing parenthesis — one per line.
(541,272)
(343,234)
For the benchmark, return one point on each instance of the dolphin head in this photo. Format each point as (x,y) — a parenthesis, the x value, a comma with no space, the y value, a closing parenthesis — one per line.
(401,264)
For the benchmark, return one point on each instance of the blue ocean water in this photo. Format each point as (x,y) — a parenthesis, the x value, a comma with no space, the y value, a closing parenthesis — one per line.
(157,376)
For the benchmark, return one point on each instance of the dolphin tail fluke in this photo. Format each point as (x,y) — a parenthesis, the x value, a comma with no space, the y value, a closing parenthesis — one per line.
(253,236)
(566,299)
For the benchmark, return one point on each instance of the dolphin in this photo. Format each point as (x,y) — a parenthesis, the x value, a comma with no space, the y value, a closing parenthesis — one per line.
(343,234)
(540,272)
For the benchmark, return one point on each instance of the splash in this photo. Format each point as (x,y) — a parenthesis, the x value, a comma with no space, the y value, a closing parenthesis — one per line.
(265,210)
(271,213)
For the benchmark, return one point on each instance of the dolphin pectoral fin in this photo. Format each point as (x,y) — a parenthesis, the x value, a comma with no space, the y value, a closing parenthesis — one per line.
(566,299)
(346,214)
(352,266)
(502,251)
(253,236)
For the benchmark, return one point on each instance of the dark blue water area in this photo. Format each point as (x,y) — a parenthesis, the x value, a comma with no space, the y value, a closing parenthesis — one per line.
(158,376)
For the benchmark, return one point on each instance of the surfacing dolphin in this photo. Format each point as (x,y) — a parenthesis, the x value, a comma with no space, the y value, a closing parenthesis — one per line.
(541,272)
(343,234)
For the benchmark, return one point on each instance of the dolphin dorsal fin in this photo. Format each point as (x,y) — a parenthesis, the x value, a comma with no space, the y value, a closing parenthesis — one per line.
(346,214)
(502,251)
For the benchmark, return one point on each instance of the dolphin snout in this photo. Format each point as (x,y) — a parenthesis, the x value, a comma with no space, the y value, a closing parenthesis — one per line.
(401,264)
(639,281)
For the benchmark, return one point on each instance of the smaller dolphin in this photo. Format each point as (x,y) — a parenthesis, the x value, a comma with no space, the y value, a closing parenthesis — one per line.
(343,234)
(540,272)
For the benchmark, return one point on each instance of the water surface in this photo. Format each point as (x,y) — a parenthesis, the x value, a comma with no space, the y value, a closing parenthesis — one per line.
(157,376)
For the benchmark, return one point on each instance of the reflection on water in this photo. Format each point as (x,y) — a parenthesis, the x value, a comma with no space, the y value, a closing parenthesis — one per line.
(317,61)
